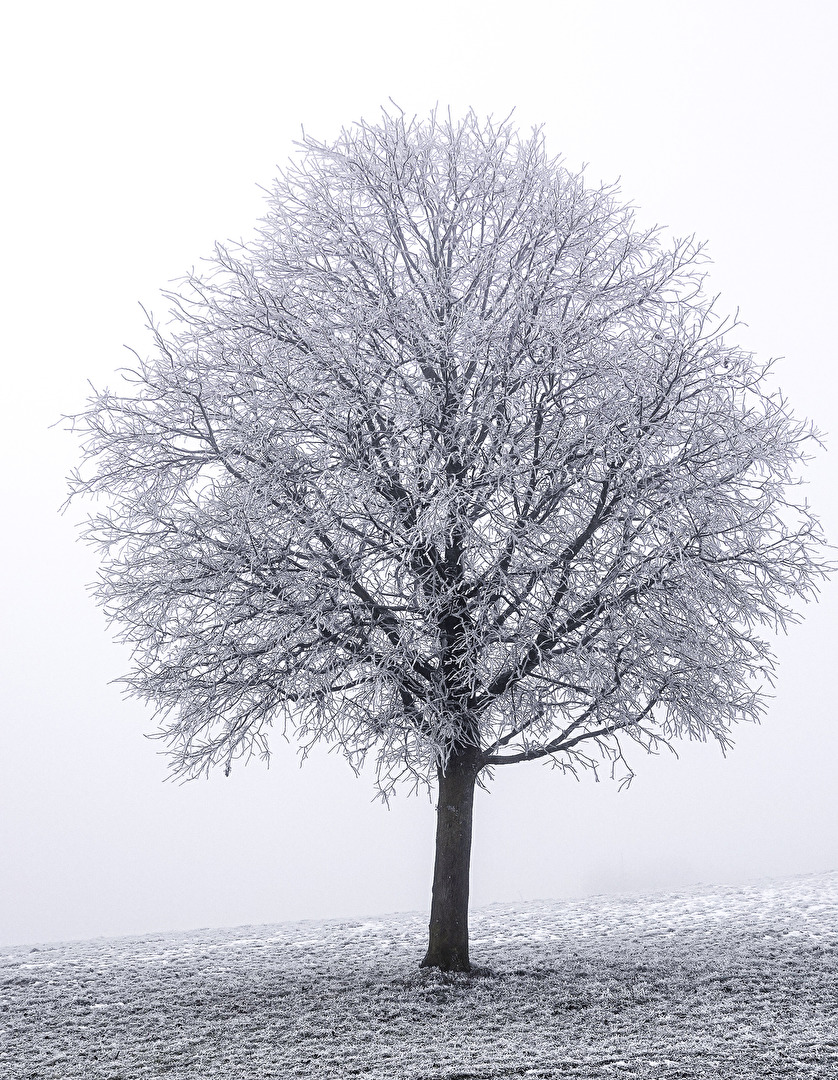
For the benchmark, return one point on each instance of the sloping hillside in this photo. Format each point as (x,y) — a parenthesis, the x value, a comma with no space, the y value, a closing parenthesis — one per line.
(735,982)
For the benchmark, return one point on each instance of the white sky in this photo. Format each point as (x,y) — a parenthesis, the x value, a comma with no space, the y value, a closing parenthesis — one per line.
(135,138)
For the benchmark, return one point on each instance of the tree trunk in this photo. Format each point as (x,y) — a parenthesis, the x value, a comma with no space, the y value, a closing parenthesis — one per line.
(448,937)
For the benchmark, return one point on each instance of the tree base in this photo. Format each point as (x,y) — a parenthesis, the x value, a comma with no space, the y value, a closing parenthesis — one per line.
(448,961)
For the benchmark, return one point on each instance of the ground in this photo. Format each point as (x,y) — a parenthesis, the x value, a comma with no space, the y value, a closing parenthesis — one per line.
(728,982)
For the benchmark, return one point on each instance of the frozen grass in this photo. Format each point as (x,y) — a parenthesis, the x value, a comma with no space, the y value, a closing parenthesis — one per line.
(722,982)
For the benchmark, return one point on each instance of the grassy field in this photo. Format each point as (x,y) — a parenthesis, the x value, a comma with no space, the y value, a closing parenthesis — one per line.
(710,982)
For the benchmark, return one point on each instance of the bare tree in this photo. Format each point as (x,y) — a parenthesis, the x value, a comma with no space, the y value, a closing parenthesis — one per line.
(454,467)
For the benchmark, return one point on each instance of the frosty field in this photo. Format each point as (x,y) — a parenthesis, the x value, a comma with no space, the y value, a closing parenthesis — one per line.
(730,982)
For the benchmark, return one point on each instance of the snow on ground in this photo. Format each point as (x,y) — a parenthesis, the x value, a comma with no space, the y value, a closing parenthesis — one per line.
(736,982)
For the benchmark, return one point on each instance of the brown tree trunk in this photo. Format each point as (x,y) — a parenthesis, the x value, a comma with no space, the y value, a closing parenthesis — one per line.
(448,937)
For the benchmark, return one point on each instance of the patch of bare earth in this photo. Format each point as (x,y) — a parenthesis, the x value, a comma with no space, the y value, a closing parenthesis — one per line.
(728,982)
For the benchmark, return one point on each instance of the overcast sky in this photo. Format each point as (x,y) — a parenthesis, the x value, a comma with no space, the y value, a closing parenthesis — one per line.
(135,137)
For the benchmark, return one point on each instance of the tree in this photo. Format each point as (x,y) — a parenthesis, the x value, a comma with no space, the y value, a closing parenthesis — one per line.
(452,466)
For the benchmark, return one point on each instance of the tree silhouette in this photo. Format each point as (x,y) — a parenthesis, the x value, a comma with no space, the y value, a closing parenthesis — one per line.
(452,466)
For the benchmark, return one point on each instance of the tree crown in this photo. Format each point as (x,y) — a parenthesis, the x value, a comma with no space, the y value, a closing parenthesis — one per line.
(452,459)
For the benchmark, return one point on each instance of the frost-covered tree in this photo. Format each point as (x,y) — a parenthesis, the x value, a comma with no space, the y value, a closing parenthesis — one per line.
(453,467)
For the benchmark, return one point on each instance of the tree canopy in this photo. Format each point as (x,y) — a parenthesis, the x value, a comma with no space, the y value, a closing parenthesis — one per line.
(452,455)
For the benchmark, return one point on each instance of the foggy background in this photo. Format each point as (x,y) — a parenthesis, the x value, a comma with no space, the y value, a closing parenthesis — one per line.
(134,138)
